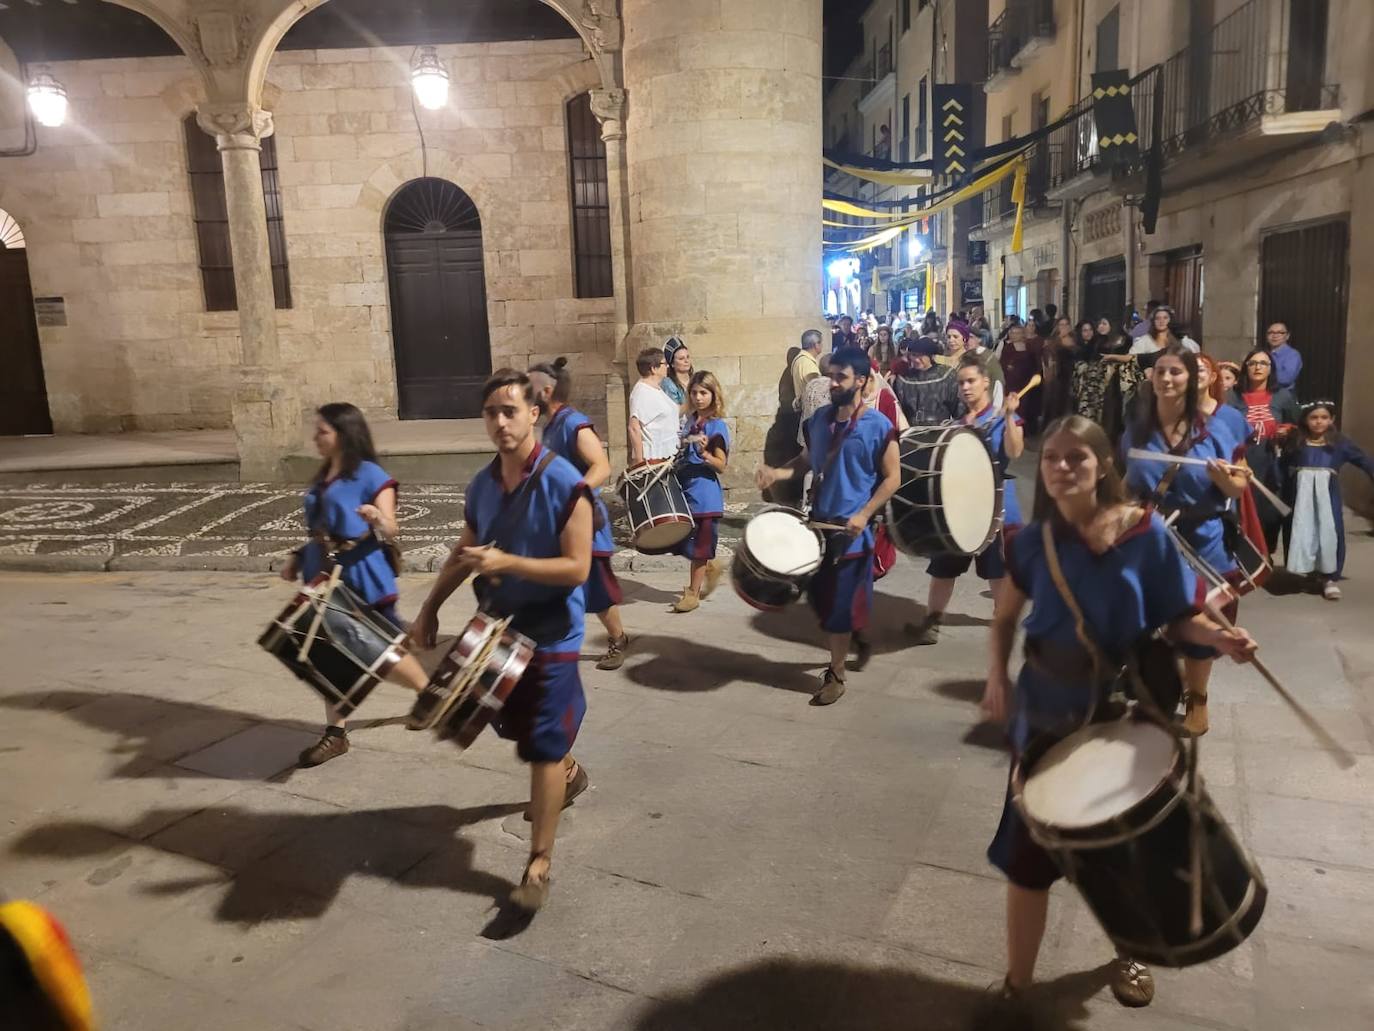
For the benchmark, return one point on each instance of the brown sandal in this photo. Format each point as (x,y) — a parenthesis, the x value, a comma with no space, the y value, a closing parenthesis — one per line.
(575,787)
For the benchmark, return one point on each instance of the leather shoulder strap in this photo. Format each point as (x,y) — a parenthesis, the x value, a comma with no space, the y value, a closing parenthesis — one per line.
(1080,623)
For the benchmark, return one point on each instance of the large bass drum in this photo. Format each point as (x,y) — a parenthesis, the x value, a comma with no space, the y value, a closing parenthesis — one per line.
(1132,827)
(950,500)
(776,559)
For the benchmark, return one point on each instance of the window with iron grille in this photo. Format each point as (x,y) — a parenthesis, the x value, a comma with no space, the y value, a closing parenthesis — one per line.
(211,215)
(591,202)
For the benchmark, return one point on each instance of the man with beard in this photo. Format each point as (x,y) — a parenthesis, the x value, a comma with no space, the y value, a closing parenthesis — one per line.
(927,392)
(851,451)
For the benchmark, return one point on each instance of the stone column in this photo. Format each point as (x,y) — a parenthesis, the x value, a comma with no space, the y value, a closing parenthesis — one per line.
(609,107)
(266,411)
(724,166)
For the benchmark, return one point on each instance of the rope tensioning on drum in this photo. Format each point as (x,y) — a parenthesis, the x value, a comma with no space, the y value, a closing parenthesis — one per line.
(472,668)
(321,606)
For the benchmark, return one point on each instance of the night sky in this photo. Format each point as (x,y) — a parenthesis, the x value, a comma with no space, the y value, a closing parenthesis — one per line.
(843,33)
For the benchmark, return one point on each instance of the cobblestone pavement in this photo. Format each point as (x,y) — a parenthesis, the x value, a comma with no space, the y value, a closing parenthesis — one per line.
(743,861)
(227,526)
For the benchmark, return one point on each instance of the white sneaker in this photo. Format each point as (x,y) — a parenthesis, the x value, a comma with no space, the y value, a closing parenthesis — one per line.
(1331,592)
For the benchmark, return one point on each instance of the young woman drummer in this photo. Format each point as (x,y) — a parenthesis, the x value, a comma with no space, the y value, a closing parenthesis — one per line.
(1172,423)
(1128,578)
(571,434)
(707,453)
(351,499)
(1003,432)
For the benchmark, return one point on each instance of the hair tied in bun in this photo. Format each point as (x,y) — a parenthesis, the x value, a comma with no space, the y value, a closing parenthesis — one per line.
(560,363)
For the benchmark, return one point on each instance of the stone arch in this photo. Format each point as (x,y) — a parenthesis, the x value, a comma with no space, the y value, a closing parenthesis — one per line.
(577,78)
(177,23)
(390,177)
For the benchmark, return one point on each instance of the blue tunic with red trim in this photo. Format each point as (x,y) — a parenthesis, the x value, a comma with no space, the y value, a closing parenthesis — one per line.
(1228,425)
(332,507)
(1200,501)
(553,617)
(560,437)
(699,481)
(1137,585)
(846,482)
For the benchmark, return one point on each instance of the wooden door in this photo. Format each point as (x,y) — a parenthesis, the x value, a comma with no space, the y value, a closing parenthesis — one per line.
(1183,271)
(1305,284)
(1104,289)
(23,392)
(438,301)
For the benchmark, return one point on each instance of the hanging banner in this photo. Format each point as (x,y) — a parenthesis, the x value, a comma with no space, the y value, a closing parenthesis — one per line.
(955,137)
(1114,117)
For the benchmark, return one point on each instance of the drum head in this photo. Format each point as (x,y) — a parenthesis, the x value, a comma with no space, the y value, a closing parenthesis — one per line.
(781,543)
(1098,773)
(968,490)
(665,535)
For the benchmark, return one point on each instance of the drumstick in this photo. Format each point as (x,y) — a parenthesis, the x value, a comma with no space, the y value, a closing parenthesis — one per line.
(1035,381)
(826,526)
(1337,751)
(1142,455)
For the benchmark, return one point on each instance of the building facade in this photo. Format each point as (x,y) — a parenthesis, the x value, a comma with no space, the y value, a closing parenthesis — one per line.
(230,232)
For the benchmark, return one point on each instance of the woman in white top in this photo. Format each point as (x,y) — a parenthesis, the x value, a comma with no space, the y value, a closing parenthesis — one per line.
(655,420)
(1161,335)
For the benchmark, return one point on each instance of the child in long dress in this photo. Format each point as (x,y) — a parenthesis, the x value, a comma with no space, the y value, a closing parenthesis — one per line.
(1312,462)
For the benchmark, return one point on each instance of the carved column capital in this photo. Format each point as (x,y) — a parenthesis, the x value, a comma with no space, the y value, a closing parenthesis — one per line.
(608,105)
(236,126)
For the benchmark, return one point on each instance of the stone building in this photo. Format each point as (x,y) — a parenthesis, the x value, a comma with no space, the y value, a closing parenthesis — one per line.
(603,175)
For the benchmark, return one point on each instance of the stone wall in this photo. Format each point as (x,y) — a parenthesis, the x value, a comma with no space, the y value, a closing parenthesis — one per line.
(106,207)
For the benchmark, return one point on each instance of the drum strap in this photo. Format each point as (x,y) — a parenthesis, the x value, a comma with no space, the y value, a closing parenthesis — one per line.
(837,439)
(1080,627)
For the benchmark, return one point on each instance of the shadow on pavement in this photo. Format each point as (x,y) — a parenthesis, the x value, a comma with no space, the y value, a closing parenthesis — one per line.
(315,853)
(886,628)
(682,664)
(809,995)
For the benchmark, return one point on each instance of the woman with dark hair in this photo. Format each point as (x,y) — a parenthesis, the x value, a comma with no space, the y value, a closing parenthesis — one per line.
(883,352)
(1171,423)
(1106,379)
(679,361)
(1125,572)
(1062,352)
(564,435)
(1272,412)
(351,503)
(1160,335)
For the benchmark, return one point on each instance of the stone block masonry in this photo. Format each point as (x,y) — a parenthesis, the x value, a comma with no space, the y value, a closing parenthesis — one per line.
(105,204)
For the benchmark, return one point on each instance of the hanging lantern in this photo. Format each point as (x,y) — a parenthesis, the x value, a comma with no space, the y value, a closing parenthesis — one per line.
(430,79)
(47,100)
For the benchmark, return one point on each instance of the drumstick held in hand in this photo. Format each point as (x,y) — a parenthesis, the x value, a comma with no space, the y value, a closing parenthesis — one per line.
(1140,454)
(1035,381)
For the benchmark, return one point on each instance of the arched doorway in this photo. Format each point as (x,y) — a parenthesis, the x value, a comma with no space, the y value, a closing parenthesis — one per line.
(438,300)
(23,392)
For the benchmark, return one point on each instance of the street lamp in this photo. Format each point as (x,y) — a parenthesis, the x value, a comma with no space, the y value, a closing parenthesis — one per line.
(430,79)
(47,100)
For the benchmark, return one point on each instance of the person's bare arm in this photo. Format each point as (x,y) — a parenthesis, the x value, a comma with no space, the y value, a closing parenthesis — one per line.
(1013,434)
(636,441)
(425,629)
(997,692)
(593,455)
(381,514)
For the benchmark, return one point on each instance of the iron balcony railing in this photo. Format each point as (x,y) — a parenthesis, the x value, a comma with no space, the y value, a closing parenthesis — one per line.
(884,63)
(1019,23)
(1244,69)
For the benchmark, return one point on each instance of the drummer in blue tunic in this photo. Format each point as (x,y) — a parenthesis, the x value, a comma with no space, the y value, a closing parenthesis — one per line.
(705,456)
(1001,428)
(571,434)
(1128,579)
(350,512)
(851,451)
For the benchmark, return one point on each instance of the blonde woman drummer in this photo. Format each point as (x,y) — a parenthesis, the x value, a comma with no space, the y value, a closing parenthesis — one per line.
(1128,578)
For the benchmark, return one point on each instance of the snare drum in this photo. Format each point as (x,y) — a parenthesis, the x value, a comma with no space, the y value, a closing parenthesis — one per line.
(660,518)
(776,559)
(351,647)
(950,500)
(473,680)
(1115,806)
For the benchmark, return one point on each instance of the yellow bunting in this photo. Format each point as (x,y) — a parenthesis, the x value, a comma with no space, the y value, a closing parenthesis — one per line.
(930,285)
(877,282)
(843,207)
(886,178)
(1018,196)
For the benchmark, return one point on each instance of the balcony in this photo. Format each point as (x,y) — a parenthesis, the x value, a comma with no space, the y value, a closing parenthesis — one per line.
(999,210)
(1244,93)
(1022,29)
(882,89)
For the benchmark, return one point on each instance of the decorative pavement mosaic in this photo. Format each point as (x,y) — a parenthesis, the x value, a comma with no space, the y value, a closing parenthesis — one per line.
(246,524)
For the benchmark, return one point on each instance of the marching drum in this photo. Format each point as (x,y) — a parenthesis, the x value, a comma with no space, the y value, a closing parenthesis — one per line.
(473,681)
(1130,825)
(328,638)
(950,501)
(776,559)
(660,518)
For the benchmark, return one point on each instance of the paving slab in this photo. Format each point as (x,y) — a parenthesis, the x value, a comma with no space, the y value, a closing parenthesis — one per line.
(743,859)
